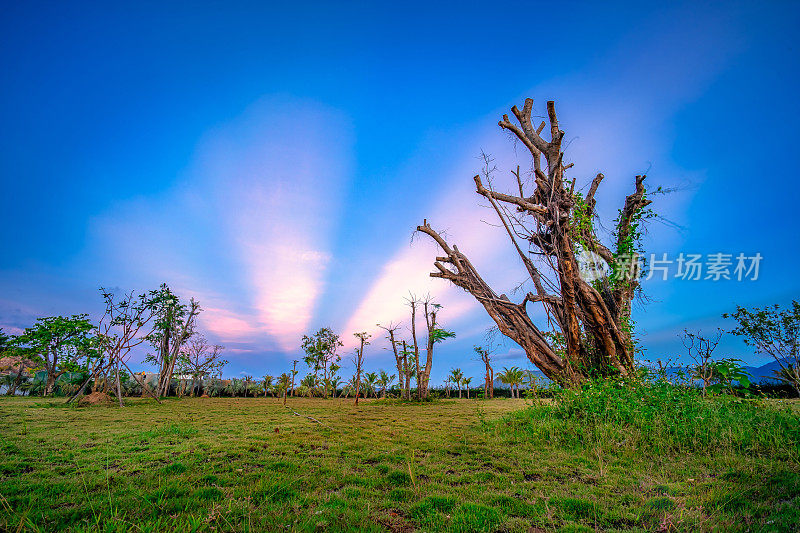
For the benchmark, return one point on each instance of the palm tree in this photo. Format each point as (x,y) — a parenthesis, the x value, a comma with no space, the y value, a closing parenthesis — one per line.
(334,383)
(457,376)
(466,382)
(267,381)
(517,378)
(384,381)
(788,374)
(247,380)
(370,378)
(284,382)
(349,387)
(512,377)
(310,383)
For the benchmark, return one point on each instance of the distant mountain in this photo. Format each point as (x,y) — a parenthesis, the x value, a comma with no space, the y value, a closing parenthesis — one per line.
(765,372)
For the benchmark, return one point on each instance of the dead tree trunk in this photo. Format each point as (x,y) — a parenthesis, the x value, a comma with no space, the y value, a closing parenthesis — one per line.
(391,330)
(430,321)
(413,303)
(363,337)
(488,383)
(592,318)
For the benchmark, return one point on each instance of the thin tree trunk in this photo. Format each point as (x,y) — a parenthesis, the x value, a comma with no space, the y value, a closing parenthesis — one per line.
(119,386)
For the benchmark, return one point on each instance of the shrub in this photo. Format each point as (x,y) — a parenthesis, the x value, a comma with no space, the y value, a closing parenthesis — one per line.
(660,418)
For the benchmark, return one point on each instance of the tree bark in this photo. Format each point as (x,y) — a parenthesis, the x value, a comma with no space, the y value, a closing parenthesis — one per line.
(594,320)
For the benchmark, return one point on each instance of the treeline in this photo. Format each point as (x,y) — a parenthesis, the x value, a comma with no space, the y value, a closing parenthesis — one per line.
(71,354)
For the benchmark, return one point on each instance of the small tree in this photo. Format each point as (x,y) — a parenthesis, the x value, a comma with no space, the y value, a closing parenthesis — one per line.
(363,337)
(399,355)
(200,359)
(321,354)
(266,380)
(488,380)
(701,351)
(174,324)
(773,331)
(466,382)
(20,361)
(310,384)
(513,377)
(456,376)
(385,380)
(294,374)
(370,379)
(409,368)
(284,382)
(61,342)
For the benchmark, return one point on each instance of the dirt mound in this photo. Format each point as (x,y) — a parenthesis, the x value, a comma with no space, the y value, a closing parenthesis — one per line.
(95,398)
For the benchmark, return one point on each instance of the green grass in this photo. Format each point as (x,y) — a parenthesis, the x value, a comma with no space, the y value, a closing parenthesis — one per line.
(580,463)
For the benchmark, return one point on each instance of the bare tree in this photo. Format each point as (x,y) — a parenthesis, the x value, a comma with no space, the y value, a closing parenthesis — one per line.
(408,367)
(391,335)
(119,329)
(413,302)
(294,374)
(200,359)
(359,359)
(434,335)
(701,350)
(488,382)
(555,223)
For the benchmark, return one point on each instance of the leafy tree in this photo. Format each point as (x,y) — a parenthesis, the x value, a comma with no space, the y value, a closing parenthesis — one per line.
(20,362)
(6,342)
(335,382)
(174,325)
(62,342)
(408,367)
(321,355)
(246,381)
(728,371)
(773,331)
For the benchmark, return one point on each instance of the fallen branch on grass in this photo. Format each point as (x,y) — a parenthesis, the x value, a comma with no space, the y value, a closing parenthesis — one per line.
(306,416)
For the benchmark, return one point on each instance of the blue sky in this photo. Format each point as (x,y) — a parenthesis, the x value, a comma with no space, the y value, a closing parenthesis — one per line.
(272,161)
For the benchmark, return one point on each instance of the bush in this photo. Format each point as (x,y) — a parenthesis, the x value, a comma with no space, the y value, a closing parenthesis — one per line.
(661,418)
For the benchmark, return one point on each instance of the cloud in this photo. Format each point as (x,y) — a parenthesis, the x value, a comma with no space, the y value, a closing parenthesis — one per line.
(252,218)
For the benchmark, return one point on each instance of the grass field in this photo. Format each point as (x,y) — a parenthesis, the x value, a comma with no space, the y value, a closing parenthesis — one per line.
(210,464)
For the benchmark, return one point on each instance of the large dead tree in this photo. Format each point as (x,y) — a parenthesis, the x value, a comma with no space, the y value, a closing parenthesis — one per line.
(589,328)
